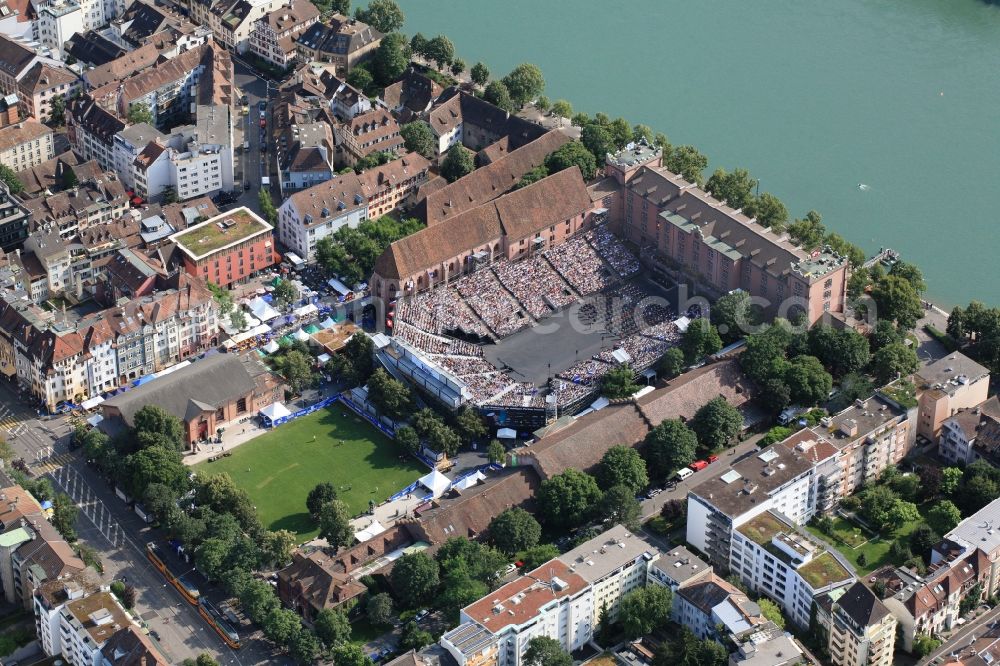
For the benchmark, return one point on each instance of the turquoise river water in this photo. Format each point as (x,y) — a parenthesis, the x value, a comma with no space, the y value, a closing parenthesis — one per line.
(814,98)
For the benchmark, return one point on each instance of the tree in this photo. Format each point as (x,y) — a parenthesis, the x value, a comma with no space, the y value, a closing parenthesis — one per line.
(925,644)
(379,609)
(408,439)
(383,15)
(897,301)
(457,162)
(267,208)
(892,361)
(443,439)
(480,74)
(297,370)
(543,104)
(562,109)
(64,513)
(470,424)
(139,113)
(415,579)
(735,189)
(515,530)
(565,499)
(154,419)
(911,273)
(922,539)
(276,547)
(360,77)
(877,504)
(390,59)
(332,627)
(211,556)
(670,446)
(417,137)
(169,195)
(688,162)
(980,485)
(342,7)
(944,516)
(622,466)
(318,496)
(457,66)
(154,464)
(770,211)
(771,611)
(672,364)
(281,625)
(809,231)
(57,115)
(733,314)
(418,44)
(159,500)
(524,82)
(538,555)
(643,133)
(304,648)
(700,340)
(414,638)
(479,562)
(440,50)
(570,154)
(903,512)
(238,319)
(545,651)
(335,524)
(950,478)
(644,610)
(620,506)
(496,453)
(885,334)
(619,382)
(598,140)
(956,323)
(390,396)
(496,93)
(458,588)
(808,382)
(9,177)
(716,423)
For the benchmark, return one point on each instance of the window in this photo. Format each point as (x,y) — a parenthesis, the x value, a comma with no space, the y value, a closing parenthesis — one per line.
(241,405)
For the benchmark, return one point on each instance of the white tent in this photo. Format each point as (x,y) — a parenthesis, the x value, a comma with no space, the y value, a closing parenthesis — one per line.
(92,402)
(262,310)
(470,480)
(305,310)
(621,356)
(436,482)
(327,323)
(275,411)
(95,420)
(272,347)
(339,286)
(374,529)
(323,358)
(300,335)
(682,323)
(506,433)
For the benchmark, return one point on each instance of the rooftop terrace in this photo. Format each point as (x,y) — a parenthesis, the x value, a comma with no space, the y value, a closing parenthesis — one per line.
(219,232)
(822,571)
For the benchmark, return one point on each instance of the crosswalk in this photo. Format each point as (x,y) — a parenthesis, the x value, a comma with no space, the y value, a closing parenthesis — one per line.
(52,464)
(12,424)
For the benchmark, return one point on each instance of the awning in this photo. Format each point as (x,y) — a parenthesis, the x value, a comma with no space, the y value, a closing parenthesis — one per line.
(274,411)
(506,433)
(92,402)
(95,420)
(338,286)
(305,310)
(295,259)
(436,482)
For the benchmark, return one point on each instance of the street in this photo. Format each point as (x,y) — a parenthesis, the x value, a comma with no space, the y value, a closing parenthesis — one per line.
(252,163)
(963,637)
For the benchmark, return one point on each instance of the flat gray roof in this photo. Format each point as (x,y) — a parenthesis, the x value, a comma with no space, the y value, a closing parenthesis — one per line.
(950,371)
(681,565)
(595,559)
(980,530)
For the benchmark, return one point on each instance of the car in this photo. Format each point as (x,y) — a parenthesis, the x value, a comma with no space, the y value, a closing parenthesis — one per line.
(155,635)
(263,123)
(246,110)
(421,615)
(246,185)
(698,465)
(712,458)
(684,472)
(262,105)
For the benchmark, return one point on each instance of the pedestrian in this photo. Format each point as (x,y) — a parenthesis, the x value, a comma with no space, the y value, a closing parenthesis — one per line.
(248,470)
(314,438)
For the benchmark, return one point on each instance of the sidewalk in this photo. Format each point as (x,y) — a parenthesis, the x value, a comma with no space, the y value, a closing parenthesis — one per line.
(232,436)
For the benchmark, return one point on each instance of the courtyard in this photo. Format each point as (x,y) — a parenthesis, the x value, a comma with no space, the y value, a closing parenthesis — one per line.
(280,467)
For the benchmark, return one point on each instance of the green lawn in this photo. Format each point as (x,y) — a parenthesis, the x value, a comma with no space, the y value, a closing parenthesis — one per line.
(279,468)
(851,540)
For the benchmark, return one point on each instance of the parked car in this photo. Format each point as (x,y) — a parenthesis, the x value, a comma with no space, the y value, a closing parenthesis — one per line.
(421,615)
(262,105)
(712,458)
(698,465)
(684,473)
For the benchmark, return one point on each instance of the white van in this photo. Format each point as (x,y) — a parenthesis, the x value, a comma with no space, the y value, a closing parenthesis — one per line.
(683,473)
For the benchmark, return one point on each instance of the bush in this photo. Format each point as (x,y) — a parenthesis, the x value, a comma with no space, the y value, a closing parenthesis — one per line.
(949,342)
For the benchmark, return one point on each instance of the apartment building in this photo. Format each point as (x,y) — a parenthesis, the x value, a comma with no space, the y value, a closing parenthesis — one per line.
(773,559)
(344,42)
(972,434)
(686,233)
(13,220)
(551,601)
(860,629)
(714,609)
(469,644)
(461,118)
(394,184)
(15,60)
(367,133)
(228,248)
(309,158)
(41,556)
(128,144)
(976,532)
(676,568)
(273,35)
(76,624)
(946,386)
(91,130)
(25,145)
(65,262)
(233,21)
(97,200)
(41,84)
(312,214)
(57,22)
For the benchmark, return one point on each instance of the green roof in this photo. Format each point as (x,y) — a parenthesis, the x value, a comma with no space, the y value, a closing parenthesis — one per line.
(20,535)
(823,570)
(761,529)
(220,231)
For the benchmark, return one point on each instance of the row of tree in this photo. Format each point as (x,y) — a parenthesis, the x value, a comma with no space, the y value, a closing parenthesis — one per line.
(351,253)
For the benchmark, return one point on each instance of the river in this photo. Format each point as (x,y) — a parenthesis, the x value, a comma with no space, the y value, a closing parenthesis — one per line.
(814,98)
